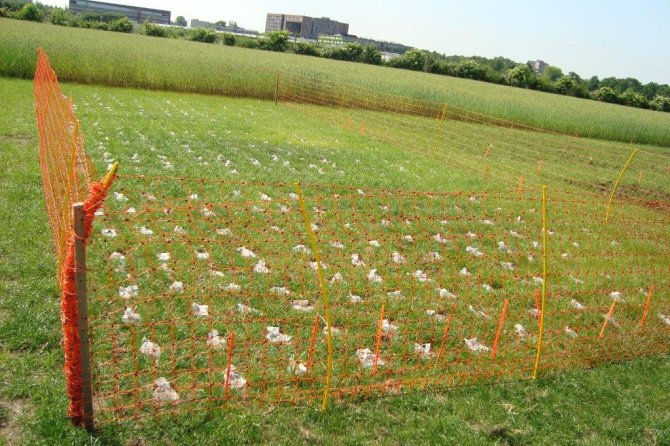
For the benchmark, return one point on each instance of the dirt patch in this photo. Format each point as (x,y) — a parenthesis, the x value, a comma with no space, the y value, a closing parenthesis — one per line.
(11,412)
(634,191)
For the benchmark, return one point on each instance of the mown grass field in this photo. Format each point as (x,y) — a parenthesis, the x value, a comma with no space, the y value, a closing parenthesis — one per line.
(613,404)
(106,58)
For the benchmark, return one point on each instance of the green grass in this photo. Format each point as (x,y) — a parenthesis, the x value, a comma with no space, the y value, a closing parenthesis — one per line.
(623,403)
(106,58)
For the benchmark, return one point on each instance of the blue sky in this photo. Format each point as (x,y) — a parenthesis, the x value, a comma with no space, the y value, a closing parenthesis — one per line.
(591,37)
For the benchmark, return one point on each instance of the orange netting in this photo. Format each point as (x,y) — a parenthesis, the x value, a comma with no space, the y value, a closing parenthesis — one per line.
(66,176)
(491,149)
(205,293)
(66,170)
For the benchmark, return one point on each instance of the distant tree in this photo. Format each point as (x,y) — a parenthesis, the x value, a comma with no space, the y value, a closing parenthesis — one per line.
(544,83)
(661,103)
(611,82)
(414,59)
(622,85)
(650,90)
(593,84)
(575,77)
(229,39)
(633,99)
(220,23)
(663,90)
(247,42)
(122,25)
(62,17)
(552,73)
(437,66)
(275,41)
(630,83)
(470,69)
(520,76)
(306,49)
(352,52)
(502,64)
(566,85)
(180,21)
(205,35)
(31,12)
(151,29)
(371,55)
(232,24)
(607,94)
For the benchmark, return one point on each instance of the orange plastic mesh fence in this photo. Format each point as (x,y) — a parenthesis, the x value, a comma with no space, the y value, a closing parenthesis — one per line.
(496,151)
(66,170)
(205,293)
(67,179)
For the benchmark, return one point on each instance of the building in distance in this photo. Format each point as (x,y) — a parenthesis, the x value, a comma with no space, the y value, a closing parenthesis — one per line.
(538,65)
(305,27)
(135,13)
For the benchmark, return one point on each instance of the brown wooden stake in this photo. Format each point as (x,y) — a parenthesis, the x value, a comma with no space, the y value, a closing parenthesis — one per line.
(82,314)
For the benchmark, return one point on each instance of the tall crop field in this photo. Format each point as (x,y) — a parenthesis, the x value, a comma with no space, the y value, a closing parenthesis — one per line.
(131,60)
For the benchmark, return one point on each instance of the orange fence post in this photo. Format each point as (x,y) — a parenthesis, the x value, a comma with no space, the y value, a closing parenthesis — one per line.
(378,344)
(646,308)
(607,318)
(500,327)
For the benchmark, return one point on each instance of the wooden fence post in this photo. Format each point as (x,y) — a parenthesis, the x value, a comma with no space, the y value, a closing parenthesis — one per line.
(82,314)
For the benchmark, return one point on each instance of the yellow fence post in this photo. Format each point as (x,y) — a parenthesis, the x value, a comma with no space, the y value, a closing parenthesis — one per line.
(324,295)
(616,184)
(544,280)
